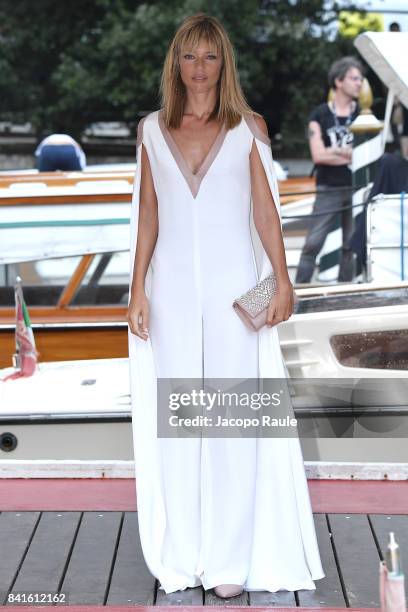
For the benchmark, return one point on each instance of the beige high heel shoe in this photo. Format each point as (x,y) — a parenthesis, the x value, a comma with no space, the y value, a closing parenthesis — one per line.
(228,590)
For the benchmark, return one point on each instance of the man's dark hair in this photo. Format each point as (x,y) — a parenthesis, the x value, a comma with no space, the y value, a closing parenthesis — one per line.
(394,27)
(339,69)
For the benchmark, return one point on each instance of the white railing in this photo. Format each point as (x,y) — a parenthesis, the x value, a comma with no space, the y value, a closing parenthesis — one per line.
(387,232)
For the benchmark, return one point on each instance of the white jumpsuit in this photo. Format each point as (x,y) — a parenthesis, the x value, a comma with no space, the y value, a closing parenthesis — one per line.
(212,511)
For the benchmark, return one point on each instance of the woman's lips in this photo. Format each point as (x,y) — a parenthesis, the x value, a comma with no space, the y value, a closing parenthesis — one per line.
(199,78)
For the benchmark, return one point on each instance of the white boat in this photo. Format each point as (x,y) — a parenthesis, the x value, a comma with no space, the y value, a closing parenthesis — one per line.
(80,410)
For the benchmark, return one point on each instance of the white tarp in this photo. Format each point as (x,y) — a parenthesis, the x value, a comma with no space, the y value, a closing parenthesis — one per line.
(32,233)
(89,387)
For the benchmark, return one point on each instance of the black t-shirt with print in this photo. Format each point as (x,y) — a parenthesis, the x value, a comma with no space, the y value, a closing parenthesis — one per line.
(335,176)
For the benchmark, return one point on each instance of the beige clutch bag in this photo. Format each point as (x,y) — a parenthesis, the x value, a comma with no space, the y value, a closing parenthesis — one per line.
(252,306)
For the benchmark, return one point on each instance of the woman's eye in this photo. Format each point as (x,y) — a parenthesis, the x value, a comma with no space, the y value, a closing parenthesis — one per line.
(189,56)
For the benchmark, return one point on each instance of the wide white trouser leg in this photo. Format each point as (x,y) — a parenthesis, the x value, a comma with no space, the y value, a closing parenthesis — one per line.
(228,487)
(180,458)
(229,463)
(208,484)
(181,464)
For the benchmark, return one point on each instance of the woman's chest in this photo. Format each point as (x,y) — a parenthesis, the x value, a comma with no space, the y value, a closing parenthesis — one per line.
(195,142)
(227,159)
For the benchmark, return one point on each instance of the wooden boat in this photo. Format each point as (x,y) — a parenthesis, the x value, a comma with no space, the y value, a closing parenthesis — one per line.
(78,303)
(66,235)
(61,244)
(291,188)
(75,276)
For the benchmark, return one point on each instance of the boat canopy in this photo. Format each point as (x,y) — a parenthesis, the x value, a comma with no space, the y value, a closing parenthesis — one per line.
(386,53)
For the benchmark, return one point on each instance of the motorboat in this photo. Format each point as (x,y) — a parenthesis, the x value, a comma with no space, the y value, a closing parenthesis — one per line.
(66,235)
(81,409)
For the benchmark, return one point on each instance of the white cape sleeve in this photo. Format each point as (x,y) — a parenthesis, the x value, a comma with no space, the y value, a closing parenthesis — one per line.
(143,389)
(271,363)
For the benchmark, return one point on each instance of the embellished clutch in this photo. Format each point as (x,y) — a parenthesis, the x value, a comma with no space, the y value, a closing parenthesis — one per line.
(252,306)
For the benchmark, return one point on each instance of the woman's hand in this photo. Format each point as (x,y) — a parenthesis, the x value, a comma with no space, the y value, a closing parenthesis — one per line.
(138,315)
(281,305)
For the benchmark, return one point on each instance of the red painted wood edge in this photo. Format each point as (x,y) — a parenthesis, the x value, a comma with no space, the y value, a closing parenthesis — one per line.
(69,494)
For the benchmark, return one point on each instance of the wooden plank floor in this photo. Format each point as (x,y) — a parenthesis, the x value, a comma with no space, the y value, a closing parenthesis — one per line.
(96,558)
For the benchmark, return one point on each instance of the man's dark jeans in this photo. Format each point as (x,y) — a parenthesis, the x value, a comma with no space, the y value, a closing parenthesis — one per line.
(327,200)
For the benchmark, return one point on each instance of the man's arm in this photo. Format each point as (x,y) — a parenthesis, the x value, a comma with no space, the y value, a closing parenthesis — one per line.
(330,156)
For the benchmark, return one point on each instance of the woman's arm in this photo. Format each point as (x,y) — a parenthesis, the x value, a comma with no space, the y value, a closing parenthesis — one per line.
(267,223)
(148,226)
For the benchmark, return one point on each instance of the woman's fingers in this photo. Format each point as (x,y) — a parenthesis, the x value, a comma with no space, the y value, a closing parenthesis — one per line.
(138,320)
(133,320)
(280,309)
(272,314)
(144,325)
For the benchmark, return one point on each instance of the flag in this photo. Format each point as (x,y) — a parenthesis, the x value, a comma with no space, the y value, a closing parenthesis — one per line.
(25,357)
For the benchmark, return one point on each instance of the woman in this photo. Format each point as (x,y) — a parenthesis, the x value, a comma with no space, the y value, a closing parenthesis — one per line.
(226,513)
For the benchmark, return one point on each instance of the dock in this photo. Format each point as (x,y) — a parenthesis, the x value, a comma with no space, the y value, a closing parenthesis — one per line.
(80,537)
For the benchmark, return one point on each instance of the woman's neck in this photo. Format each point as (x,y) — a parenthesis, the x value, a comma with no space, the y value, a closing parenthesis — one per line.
(200,105)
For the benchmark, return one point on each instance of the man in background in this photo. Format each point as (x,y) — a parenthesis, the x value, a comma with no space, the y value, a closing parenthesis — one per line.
(330,141)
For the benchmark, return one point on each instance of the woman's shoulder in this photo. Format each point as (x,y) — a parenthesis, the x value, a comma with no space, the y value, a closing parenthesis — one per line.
(144,124)
(257,126)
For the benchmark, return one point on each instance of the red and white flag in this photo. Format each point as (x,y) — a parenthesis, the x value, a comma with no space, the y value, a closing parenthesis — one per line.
(25,357)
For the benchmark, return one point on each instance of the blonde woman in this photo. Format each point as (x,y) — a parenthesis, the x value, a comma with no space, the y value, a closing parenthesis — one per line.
(227,513)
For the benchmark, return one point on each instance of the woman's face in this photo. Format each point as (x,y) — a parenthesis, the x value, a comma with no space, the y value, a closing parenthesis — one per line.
(200,68)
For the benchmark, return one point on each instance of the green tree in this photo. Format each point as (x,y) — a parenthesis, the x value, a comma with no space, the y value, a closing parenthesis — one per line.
(33,38)
(68,64)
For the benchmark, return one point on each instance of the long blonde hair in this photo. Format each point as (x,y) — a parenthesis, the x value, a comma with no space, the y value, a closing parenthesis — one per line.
(231,103)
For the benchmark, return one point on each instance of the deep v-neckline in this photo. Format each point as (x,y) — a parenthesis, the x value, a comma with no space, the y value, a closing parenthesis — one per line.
(193,179)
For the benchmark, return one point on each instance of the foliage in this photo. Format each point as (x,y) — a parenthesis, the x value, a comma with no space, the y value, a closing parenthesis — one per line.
(66,64)
(351,23)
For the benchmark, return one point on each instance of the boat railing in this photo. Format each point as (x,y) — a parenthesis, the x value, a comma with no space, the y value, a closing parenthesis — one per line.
(297,213)
(387,231)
